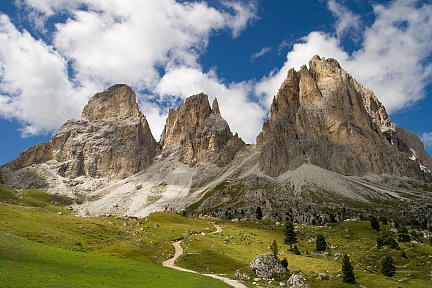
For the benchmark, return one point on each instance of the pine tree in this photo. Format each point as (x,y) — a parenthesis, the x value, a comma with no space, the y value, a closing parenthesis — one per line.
(258,213)
(274,248)
(375,224)
(387,267)
(320,243)
(290,234)
(347,270)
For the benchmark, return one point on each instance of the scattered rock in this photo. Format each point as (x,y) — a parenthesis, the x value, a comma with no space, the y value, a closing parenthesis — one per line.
(266,265)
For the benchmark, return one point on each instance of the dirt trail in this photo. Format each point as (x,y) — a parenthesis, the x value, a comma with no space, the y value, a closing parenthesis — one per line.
(179,251)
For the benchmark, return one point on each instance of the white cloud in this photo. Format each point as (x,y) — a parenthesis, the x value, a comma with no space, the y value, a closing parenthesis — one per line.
(346,21)
(261,53)
(100,43)
(33,83)
(391,61)
(427,139)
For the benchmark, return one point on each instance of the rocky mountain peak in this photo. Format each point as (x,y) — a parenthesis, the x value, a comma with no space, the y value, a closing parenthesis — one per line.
(118,101)
(199,133)
(111,139)
(322,116)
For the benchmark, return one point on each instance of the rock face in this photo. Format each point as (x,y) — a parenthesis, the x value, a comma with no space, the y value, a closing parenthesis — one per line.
(416,147)
(267,266)
(111,139)
(199,133)
(322,116)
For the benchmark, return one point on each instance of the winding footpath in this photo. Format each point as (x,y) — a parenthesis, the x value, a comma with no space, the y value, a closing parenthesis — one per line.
(179,251)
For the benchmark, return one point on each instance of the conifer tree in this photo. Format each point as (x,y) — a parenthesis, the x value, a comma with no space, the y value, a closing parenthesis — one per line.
(290,234)
(387,267)
(274,248)
(320,243)
(347,270)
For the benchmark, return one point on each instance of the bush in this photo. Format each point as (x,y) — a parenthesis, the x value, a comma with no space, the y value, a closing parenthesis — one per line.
(284,263)
(375,224)
(258,213)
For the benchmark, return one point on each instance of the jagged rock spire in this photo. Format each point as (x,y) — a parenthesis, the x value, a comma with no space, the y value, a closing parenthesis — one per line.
(215,108)
(199,133)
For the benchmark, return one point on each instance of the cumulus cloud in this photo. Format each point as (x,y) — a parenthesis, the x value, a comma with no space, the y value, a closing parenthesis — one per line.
(99,43)
(346,21)
(391,60)
(33,83)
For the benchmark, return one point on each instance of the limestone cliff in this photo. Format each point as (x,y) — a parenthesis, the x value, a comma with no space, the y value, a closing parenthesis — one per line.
(322,116)
(199,133)
(111,139)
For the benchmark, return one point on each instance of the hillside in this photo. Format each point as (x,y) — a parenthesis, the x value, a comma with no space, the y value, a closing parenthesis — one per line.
(62,249)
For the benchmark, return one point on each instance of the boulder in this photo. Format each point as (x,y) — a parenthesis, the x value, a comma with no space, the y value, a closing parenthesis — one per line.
(267,266)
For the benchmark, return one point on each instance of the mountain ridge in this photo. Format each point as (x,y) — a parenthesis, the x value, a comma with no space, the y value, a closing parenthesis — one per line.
(327,141)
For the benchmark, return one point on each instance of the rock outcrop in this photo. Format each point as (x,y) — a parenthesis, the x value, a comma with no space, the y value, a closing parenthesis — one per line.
(416,148)
(267,266)
(111,139)
(322,116)
(199,133)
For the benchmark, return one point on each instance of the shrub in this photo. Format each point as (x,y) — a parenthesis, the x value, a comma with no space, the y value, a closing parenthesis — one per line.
(375,224)
(258,213)
(284,263)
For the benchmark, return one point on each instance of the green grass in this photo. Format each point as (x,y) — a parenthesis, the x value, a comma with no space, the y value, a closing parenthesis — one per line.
(68,251)
(24,263)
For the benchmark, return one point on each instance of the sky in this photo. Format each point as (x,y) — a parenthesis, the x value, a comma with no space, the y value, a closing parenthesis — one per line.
(56,54)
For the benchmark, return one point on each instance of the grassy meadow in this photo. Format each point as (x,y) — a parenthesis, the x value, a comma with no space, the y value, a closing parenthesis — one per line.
(43,245)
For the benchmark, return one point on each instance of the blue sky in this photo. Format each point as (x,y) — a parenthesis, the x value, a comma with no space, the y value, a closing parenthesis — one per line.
(56,54)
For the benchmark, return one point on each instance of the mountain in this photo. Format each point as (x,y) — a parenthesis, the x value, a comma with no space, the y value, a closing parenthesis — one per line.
(322,116)
(111,139)
(327,148)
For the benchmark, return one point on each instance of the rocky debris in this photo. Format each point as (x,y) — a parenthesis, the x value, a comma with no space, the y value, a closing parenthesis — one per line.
(111,139)
(322,116)
(242,276)
(297,280)
(324,276)
(266,266)
(199,133)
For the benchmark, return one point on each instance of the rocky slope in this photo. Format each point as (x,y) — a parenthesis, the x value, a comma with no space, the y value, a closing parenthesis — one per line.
(322,116)
(199,133)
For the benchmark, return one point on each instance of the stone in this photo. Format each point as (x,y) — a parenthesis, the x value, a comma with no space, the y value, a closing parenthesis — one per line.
(242,276)
(296,280)
(266,266)
(324,117)
(199,133)
(324,276)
